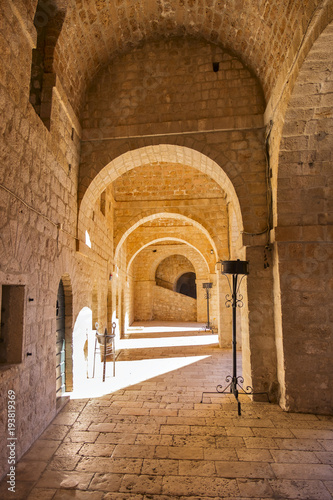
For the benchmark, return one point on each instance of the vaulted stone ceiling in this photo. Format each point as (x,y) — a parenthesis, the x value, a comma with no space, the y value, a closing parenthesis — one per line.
(264,34)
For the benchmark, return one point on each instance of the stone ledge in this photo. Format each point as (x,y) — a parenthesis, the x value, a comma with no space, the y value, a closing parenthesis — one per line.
(254,240)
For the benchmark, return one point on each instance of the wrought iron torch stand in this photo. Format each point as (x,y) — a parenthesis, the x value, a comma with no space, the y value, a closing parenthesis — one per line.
(207,287)
(234,268)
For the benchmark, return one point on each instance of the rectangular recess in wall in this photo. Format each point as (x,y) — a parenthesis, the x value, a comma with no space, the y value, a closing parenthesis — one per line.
(11,328)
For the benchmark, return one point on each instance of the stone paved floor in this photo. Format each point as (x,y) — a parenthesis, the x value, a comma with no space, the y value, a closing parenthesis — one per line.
(155,440)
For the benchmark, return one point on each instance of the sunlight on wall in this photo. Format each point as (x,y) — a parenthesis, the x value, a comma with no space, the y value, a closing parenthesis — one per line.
(82,345)
(88,241)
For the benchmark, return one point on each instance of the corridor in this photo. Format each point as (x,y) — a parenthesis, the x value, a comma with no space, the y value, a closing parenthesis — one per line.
(154,439)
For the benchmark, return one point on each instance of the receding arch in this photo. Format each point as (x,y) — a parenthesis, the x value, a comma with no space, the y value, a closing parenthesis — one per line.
(166,215)
(181,213)
(158,240)
(186,285)
(151,155)
(170,268)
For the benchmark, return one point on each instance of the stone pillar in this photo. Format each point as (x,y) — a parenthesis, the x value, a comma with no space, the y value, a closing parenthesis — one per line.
(224,313)
(257,320)
(303,269)
(115,305)
(109,307)
(143,300)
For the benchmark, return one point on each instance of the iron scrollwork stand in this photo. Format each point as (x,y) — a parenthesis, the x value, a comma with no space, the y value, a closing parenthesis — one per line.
(234,382)
(207,287)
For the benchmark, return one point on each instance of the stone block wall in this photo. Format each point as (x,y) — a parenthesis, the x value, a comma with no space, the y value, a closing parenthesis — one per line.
(303,235)
(172,306)
(38,208)
(143,300)
(228,128)
(37,239)
(144,269)
(164,93)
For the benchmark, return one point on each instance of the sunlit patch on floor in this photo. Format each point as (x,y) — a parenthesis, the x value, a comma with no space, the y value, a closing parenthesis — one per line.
(149,350)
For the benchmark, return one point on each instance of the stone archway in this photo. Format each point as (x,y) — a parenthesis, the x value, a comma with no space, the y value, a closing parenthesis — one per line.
(149,155)
(185,285)
(259,358)
(152,298)
(152,242)
(147,216)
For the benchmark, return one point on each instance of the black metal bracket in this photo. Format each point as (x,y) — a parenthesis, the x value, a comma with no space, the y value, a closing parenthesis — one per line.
(233,384)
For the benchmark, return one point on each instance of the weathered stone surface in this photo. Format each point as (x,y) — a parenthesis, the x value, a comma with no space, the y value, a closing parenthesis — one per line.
(140,143)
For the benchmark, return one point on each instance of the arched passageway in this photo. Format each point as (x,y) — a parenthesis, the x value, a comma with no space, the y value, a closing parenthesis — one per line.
(201,129)
(206,215)
(186,285)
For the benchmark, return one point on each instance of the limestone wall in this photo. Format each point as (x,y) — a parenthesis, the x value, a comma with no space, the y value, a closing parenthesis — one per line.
(142,95)
(172,306)
(303,236)
(208,130)
(33,246)
(144,269)
(38,207)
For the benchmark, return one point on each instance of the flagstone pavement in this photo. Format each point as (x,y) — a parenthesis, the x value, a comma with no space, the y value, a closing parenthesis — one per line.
(154,439)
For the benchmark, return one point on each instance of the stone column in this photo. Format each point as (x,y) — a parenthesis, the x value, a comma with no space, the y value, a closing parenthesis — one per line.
(144,300)
(257,320)
(303,272)
(224,313)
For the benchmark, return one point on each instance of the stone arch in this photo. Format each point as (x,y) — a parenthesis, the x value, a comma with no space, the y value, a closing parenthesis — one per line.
(185,284)
(180,265)
(186,265)
(174,212)
(148,294)
(279,103)
(140,221)
(318,21)
(158,240)
(151,155)
(219,23)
